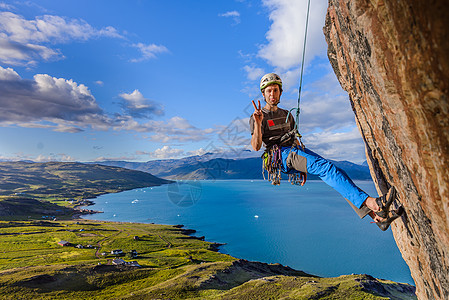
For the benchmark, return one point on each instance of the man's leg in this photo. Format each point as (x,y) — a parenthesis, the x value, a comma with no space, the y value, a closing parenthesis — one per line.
(340,181)
(361,212)
(330,174)
(297,162)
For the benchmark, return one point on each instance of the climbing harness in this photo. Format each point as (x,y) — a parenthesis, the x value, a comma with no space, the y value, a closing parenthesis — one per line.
(271,158)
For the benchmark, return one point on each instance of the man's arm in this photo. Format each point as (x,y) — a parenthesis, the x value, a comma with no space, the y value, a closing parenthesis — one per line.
(256,138)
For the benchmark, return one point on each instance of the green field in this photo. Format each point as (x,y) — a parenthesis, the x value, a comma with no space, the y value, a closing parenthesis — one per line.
(173,265)
(32,262)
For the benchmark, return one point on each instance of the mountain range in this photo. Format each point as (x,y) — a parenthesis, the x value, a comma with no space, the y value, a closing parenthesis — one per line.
(211,166)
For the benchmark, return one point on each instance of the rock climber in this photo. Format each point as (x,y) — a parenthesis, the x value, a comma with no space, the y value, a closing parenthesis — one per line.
(271,126)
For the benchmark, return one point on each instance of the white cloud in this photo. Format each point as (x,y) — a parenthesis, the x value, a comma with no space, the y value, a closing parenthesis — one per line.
(54,157)
(230,14)
(26,54)
(253,73)
(38,158)
(136,105)
(286,34)
(235,15)
(148,51)
(247,57)
(341,145)
(64,105)
(49,102)
(24,42)
(45,98)
(8,74)
(108,31)
(180,123)
(285,38)
(116,158)
(167,152)
(6,6)
(135,99)
(197,152)
(290,79)
(177,129)
(47,28)
(236,133)
(225,152)
(99,82)
(324,105)
(67,128)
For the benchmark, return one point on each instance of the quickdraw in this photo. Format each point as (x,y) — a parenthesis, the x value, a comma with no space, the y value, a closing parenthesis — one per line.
(297,178)
(301,177)
(272,163)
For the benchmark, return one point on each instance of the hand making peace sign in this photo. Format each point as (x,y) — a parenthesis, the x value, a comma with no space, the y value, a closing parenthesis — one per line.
(257,115)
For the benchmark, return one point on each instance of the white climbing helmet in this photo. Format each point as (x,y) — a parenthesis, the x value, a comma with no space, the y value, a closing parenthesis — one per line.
(268,79)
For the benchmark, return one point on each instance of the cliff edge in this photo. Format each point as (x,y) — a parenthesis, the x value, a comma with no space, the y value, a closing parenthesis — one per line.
(392,59)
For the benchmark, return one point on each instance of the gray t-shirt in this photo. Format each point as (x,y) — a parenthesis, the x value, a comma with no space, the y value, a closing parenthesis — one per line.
(274,126)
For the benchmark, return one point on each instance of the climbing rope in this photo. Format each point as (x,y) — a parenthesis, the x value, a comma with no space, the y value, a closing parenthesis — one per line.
(300,80)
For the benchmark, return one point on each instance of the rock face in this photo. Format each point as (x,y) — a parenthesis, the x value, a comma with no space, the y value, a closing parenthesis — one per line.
(392,57)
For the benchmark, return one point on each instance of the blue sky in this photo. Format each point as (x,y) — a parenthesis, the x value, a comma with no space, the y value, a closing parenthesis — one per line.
(141,80)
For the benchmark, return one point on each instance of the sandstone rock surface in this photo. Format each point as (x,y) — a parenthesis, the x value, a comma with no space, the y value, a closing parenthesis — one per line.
(392,57)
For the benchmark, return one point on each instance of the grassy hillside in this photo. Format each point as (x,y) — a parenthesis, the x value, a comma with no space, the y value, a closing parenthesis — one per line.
(18,208)
(172,266)
(61,181)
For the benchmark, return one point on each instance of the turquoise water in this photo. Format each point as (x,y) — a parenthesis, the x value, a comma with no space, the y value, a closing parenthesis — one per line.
(309,228)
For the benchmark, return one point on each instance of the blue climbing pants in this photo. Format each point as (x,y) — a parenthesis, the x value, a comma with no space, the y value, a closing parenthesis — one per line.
(328,172)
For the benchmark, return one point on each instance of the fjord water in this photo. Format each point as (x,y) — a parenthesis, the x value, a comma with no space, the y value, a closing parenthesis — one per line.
(310,228)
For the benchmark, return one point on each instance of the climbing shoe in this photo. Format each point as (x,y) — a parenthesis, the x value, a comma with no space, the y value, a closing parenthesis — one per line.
(384,202)
(392,215)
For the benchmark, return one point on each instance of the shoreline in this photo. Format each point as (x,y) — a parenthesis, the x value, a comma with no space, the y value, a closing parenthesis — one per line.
(90,201)
(165,213)
(187,231)
(214,246)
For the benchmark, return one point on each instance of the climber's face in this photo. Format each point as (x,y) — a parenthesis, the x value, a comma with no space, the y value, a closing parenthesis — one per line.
(272,94)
